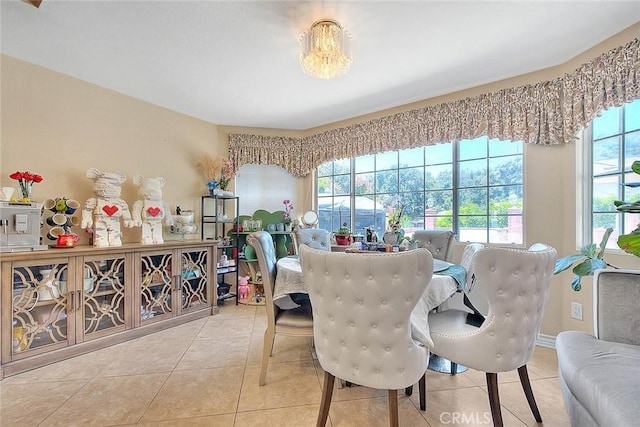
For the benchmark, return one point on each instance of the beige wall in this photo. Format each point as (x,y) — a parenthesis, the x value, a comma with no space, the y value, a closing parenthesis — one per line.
(59,126)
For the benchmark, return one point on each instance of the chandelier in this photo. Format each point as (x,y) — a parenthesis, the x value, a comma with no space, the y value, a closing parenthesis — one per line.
(325,50)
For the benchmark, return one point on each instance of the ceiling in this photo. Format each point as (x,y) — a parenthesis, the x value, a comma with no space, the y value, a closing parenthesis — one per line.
(236,62)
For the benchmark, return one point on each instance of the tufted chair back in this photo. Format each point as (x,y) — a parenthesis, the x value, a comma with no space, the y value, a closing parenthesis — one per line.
(361,309)
(296,322)
(315,238)
(439,243)
(516,284)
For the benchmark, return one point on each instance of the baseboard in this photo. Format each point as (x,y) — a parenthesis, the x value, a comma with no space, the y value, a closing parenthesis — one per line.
(548,341)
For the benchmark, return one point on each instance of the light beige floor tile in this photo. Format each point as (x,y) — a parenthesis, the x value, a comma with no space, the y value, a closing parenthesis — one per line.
(189,389)
(146,358)
(444,381)
(86,366)
(203,354)
(543,363)
(348,392)
(480,378)
(196,393)
(293,416)
(184,332)
(374,413)
(288,384)
(285,349)
(462,407)
(28,404)
(226,420)
(230,327)
(548,398)
(230,310)
(108,401)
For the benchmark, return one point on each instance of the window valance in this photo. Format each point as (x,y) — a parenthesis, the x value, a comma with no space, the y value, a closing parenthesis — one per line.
(546,113)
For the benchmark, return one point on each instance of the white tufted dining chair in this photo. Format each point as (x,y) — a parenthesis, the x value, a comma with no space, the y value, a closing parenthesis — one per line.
(516,284)
(297,322)
(316,238)
(439,243)
(361,310)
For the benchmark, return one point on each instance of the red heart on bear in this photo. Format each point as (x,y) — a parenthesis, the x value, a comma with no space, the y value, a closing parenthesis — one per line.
(153,211)
(110,210)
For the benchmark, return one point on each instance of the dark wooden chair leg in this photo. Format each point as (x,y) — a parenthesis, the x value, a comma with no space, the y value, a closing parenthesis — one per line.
(393,408)
(422,385)
(526,386)
(409,390)
(494,399)
(325,403)
(454,368)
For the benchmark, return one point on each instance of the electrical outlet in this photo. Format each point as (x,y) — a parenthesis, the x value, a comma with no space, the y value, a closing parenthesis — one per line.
(576,310)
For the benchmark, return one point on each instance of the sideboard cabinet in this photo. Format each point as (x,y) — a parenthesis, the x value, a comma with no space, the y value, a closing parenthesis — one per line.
(63,302)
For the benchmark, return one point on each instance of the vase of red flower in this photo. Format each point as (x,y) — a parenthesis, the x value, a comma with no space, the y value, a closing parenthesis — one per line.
(26,180)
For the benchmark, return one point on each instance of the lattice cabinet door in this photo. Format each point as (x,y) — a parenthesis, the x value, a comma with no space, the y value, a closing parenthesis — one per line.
(38,317)
(156,298)
(105,295)
(194,278)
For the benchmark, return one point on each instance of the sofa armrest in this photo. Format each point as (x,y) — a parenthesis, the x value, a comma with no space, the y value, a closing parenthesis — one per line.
(617,305)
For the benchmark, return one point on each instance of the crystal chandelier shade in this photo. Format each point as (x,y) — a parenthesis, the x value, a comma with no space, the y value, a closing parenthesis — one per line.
(325,50)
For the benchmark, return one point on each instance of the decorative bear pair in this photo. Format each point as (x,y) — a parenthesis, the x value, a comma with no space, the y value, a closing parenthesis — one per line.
(102,214)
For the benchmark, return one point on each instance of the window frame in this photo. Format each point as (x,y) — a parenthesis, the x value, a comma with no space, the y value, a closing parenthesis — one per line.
(454,163)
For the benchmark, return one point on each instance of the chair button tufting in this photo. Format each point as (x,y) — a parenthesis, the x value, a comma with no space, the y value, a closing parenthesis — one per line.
(346,276)
(370,277)
(360,302)
(388,349)
(384,302)
(352,324)
(339,298)
(331,318)
(364,347)
(401,369)
(374,326)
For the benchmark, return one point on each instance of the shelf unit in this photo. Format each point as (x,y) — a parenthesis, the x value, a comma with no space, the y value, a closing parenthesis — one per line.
(220,221)
(61,303)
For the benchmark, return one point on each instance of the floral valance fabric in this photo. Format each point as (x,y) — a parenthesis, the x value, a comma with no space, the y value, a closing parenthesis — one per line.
(550,112)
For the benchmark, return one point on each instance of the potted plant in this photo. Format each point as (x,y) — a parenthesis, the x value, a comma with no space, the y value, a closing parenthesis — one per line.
(343,233)
(592,258)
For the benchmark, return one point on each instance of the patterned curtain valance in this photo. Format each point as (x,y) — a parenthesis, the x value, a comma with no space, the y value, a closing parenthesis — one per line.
(550,112)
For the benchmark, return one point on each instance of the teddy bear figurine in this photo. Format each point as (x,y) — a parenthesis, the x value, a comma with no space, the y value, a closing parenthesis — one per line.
(150,212)
(101,215)
(243,288)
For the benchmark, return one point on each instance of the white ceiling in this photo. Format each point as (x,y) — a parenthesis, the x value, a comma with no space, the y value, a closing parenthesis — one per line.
(236,62)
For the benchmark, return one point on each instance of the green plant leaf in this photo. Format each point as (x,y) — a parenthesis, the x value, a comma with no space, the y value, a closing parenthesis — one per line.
(635,166)
(603,242)
(564,263)
(575,283)
(630,243)
(589,266)
(589,251)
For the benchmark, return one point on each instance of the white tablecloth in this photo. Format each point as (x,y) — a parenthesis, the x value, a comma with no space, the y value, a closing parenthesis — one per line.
(289,279)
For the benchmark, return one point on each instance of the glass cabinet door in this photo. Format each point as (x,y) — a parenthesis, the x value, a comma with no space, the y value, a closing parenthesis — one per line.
(193,279)
(156,290)
(103,287)
(40,302)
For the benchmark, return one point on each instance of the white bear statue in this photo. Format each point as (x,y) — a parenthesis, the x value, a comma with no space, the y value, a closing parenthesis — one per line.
(150,212)
(101,214)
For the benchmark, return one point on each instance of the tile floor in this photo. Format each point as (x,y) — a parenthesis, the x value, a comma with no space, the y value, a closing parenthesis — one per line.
(205,373)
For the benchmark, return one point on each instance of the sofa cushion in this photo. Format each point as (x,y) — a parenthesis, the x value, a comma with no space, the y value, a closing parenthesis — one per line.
(604,376)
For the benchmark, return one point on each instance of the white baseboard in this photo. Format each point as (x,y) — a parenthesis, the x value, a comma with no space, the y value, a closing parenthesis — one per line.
(548,341)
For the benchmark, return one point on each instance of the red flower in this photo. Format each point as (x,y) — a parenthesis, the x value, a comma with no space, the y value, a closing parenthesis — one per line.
(37,178)
(16,175)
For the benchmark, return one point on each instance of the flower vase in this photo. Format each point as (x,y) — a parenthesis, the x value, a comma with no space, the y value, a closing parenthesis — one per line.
(25,189)
(391,238)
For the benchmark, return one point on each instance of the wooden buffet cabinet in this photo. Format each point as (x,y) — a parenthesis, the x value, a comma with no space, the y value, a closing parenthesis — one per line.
(60,303)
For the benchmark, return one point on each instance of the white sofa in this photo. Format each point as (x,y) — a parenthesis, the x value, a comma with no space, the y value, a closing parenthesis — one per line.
(600,374)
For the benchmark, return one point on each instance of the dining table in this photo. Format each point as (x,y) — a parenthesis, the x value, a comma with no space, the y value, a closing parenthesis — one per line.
(443,285)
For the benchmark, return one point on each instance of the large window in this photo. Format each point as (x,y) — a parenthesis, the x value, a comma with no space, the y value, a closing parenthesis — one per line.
(612,144)
(473,187)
